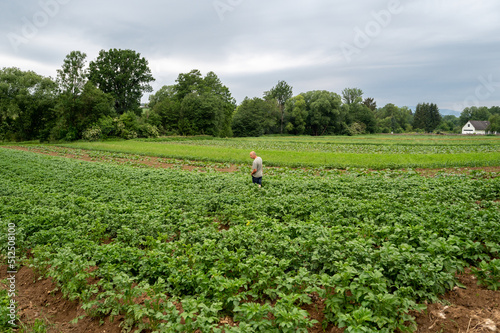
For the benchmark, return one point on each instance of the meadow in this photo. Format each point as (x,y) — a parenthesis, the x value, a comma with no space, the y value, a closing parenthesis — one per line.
(175,250)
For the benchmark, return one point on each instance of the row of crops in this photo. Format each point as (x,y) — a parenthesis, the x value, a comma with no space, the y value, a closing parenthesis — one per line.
(180,251)
(377,152)
(297,145)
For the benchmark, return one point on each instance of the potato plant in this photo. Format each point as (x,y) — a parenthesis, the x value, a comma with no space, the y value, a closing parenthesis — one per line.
(179,251)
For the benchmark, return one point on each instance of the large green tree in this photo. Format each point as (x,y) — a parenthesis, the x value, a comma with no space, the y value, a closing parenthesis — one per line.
(195,105)
(351,96)
(357,115)
(361,114)
(73,74)
(281,92)
(494,123)
(427,117)
(71,78)
(495,110)
(76,115)
(392,118)
(26,102)
(79,104)
(188,83)
(324,112)
(247,119)
(370,103)
(219,100)
(450,123)
(125,75)
(474,113)
(254,117)
(165,110)
(297,110)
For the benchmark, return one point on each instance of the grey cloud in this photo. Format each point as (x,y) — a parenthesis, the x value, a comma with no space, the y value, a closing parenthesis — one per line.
(428,51)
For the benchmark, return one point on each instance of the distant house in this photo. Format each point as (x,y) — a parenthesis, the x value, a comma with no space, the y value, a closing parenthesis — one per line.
(476,127)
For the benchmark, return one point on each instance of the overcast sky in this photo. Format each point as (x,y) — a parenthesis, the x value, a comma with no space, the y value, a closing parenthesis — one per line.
(403,52)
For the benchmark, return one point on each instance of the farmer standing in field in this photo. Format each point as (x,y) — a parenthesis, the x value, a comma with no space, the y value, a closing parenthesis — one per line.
(256,169)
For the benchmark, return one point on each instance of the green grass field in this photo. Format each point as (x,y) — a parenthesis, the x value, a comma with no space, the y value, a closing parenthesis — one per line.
(373,152)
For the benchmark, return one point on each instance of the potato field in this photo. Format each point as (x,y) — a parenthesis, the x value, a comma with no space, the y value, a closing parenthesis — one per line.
(201,250)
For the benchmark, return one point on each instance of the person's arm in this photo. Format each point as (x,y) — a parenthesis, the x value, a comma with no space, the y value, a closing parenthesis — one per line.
(254,168)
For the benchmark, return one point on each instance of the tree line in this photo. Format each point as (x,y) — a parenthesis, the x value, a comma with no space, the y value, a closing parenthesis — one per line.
(102,100)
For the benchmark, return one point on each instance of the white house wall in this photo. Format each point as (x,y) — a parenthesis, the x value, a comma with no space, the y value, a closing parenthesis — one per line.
(468,129)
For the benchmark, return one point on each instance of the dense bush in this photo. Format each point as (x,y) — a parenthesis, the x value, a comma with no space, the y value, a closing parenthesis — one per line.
(127,126)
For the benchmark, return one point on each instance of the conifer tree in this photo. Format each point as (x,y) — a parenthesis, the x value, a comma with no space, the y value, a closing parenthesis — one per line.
(427,117)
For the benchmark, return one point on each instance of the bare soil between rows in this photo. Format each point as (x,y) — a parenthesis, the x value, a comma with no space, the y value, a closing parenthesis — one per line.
(136,160)
(468,310)
(472,309)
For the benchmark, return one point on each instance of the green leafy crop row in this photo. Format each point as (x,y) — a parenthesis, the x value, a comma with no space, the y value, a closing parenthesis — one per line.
(308,153)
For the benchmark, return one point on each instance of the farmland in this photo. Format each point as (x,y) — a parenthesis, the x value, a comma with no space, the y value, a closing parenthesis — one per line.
(376,152)
(184,249)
